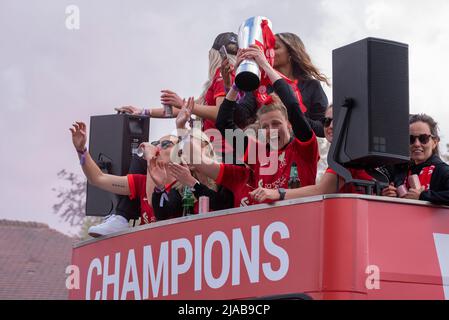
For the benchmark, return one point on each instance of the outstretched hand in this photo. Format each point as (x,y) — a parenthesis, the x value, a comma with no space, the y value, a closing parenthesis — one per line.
(171,98)
(129,110)
(79,135)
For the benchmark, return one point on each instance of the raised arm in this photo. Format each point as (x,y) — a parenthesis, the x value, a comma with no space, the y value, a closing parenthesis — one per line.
(203,111)
(152,112)
(184,116)
(300,125)
(97,178)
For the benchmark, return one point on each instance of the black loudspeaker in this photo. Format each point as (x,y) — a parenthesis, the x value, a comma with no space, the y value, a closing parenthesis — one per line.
(112,142)
(372,76)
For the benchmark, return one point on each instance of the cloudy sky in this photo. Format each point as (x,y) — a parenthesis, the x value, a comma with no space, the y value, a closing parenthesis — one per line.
(125,52)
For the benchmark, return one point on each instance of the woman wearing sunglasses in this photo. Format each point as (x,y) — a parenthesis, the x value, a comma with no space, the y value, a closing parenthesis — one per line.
(167,198)
(425,162)
(134,186)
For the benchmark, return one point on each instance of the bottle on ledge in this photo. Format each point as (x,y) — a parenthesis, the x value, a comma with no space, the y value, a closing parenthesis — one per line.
(187,202)
(294,182)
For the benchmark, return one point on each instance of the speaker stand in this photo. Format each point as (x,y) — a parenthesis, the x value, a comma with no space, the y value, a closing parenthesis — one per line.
(335,149)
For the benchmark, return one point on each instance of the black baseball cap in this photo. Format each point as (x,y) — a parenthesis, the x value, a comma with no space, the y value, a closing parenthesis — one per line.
(227,39)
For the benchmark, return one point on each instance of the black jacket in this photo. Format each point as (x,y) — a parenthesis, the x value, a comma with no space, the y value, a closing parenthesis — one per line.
(438,192)
(300,125)
(313,97)
(172,207)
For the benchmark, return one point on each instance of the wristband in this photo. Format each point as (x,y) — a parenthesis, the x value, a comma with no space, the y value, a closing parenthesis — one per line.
(82,152)
(281,193)
(158,190)
(146,112)
(82,156)
(235,88)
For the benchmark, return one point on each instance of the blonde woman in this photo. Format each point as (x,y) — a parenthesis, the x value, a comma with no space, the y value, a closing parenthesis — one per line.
(167,198)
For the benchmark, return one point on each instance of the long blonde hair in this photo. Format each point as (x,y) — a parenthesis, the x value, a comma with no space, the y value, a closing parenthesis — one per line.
(214,64)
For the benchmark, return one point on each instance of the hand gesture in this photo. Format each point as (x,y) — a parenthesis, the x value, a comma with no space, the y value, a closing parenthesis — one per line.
(79,136)
(129,110)
(390,191)
(185,113)
(158,172)
(261,194)
(182,174)
(414,194)
(172,99)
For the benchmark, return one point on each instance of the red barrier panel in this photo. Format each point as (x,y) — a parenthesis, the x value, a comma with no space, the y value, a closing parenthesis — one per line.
(328,247)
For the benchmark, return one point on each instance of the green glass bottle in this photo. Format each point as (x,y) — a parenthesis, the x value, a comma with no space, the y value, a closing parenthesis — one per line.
(187,202)
(293,181)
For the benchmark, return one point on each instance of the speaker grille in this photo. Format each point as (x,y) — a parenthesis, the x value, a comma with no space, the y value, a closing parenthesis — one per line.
(374,74)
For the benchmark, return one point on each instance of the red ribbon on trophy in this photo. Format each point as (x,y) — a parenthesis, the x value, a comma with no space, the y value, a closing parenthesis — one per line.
(263,98)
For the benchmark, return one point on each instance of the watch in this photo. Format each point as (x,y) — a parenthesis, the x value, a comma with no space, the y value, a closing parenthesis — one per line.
(281,193)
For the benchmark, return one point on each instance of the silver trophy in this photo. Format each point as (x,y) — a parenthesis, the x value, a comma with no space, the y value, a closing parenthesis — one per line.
(248,74)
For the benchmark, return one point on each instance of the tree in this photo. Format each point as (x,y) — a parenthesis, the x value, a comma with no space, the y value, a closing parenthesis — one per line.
(72,200)
(71,206)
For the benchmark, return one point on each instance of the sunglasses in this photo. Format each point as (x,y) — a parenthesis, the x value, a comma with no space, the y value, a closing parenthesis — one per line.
(423,138)
(164,143)
(327,122)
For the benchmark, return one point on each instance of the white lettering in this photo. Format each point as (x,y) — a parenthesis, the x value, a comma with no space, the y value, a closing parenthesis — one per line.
(72,21)
(111,279)
(373,280)
(276,251)
(220,237)
(176,268)
(95,264)
(73,280)
(131,270)
(251,263)
(162,271)
(198,262)
(442,247)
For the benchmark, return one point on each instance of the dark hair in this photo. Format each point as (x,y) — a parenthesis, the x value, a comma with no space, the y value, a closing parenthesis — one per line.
(302,65)
(433,125)
(227,39)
